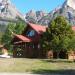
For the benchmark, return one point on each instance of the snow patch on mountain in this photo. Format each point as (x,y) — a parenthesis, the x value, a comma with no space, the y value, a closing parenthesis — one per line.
(71,3)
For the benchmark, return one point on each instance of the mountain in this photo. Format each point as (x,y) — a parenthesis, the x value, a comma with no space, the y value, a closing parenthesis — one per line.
(67,9)
(34,16)
(8,12)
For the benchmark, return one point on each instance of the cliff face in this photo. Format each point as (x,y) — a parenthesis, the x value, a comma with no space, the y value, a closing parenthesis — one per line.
(8,12)
(67,9)
(34,16)
(71,3)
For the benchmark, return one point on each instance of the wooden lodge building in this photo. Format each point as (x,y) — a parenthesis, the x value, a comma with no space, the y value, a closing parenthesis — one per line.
(27,44)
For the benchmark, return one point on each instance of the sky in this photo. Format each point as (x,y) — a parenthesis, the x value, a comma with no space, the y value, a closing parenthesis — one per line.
(46,5)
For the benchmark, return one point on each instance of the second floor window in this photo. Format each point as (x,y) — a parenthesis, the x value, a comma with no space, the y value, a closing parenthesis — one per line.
(31,33)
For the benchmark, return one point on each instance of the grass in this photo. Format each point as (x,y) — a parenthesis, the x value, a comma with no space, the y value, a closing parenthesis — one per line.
(23,65)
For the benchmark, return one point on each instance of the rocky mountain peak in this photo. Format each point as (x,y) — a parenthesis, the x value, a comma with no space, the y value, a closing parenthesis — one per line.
(67,9)
(34,16)
(71,3)
(8,10)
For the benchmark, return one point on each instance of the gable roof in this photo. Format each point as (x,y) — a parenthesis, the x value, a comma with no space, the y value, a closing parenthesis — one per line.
(38,28)
(27,39)
(23,38)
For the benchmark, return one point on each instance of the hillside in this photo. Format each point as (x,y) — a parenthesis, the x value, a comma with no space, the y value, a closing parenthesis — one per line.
(8,12)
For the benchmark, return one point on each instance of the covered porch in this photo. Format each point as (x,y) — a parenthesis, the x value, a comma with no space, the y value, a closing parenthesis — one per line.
(25,47)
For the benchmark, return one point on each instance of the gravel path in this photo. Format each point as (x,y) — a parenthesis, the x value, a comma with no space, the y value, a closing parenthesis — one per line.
(27,74)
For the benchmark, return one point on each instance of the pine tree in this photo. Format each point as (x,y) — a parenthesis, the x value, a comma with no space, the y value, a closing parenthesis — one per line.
(58,35)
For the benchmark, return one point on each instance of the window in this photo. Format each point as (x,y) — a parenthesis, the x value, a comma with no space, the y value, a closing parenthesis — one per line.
(31,33)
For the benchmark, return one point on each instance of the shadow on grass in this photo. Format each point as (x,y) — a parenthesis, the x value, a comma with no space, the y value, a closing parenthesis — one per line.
(58,61)
(53,72)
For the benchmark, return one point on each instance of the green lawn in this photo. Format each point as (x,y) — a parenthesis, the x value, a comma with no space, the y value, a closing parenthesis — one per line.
(36,65)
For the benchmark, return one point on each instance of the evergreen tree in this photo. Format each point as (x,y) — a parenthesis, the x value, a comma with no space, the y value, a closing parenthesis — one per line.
(20,26)
(58,35)
(7,37)
(16,28)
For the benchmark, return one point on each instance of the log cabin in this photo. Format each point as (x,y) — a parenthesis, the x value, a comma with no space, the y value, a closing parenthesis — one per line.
(27,44)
